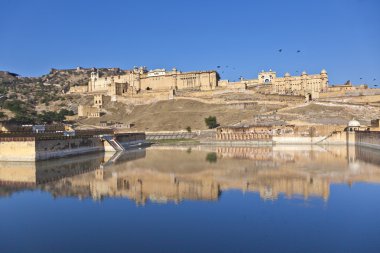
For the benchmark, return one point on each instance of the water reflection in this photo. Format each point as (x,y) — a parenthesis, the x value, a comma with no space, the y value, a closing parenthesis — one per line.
(167,174)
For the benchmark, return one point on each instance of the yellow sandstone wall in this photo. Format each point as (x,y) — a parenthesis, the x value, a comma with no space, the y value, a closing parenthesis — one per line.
(78,89)
(17,149)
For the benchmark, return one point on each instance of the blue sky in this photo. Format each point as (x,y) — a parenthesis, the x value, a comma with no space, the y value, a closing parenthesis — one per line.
(342,36)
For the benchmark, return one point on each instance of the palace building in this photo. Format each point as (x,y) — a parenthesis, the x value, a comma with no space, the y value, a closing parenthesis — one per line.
(304,85)
(296,85)
(139,79)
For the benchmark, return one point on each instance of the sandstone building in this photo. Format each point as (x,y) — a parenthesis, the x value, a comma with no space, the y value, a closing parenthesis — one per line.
(303,85)
(139,79)
(88,111)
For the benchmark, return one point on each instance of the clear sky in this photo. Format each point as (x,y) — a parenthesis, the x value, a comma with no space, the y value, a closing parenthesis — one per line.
(342,36)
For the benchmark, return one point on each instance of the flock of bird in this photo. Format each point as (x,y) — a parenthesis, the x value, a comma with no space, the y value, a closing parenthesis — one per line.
(280,51)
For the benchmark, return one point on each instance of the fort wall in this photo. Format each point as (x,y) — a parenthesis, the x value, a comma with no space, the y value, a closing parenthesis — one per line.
(78,89)
(354,92)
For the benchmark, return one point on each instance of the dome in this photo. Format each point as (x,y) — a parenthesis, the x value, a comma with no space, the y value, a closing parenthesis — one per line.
(354,123)
(304,73)
(287,74)
(323,71)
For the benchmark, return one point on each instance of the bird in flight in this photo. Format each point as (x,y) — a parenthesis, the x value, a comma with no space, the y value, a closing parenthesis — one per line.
(298,51)
(218,67)
(280,50)
(361,78)
(374,79)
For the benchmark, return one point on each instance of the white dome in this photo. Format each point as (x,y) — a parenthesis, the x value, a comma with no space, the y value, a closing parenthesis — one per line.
(323,71)
(304,73)
(354,123)
(287,74)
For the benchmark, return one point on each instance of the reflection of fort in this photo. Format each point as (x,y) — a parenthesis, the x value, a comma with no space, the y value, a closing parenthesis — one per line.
(177,174)
(22,175)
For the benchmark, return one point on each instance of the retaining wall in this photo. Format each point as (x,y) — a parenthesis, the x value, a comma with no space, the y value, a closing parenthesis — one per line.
(43,146)
(46,149)
(369,139)
(17,149)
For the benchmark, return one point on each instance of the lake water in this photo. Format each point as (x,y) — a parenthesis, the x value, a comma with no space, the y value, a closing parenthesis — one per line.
(198,199)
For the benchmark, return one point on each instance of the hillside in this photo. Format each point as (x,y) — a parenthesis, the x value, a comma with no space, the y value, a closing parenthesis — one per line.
(179,114)
(22,99)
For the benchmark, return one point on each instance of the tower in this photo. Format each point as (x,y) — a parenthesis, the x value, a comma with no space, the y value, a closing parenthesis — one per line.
(266,77)
(324,80)
(91,84)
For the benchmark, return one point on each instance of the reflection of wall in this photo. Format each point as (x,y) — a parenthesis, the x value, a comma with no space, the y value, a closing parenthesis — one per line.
(174,175)
(368,155)
(277,182)
(157,187)
(189,176)
(34,173)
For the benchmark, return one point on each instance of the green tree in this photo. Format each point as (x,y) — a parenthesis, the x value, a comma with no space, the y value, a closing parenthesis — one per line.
(211,122)
(23,119)
(50,117)
(188,129)
(15,105)
(211,157)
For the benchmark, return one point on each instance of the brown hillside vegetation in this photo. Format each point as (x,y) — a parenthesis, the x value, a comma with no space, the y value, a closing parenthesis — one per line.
(180,113)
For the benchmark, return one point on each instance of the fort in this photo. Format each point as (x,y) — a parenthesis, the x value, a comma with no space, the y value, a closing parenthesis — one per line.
(140,80)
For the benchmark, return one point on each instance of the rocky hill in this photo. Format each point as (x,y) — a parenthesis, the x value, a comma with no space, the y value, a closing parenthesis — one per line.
(24,98)
(76,77)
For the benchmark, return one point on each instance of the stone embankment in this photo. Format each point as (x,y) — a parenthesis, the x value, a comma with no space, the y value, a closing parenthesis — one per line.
(32,147)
